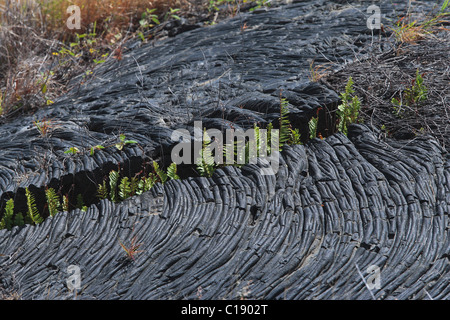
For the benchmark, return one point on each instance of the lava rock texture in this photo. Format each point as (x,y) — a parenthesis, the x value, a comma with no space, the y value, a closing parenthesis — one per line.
(336,208)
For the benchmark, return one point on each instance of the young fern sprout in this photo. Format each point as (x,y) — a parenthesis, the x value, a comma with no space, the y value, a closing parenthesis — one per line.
(123,188)
(53,202)
(33,212)
(348,110)
(313,127)
(285,125)
(205,163)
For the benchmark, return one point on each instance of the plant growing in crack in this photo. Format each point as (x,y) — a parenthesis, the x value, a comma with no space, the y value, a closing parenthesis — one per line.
(44,126)
(123,141)
(72,150)
(132,250)
(53,202)
(33,212)
(348,110)
(94,148)
(418,92)
(7,220)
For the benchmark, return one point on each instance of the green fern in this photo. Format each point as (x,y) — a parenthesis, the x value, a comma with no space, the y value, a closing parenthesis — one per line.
(172,171)
(113,182)
(205,164)
(161,174)
(146,183)
(285,124)
(33,212)
(80,201)
(102,191)
(52,201)
(124,188)
(348,110)
(269,138)
(134,182)
(65,204)
(313,127)
(7,221)
(295,136)
(18,219)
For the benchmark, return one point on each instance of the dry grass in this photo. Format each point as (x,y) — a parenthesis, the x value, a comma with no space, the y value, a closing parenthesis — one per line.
(410,29)
(39,54)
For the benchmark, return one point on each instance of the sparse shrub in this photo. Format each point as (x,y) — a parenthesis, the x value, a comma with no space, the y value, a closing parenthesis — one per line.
(411,96)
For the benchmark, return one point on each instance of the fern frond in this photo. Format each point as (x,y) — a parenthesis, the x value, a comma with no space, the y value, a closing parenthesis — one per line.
(205,164)
(124,188)
(65,205)
(113,182)
(52,201)
(134,185)
(348,110)
(18,219)
(33,212)
(269,138)
(295,136)
(80,201)
(313,127)
(161,174)
(172,171)
(285,124)
(102,191)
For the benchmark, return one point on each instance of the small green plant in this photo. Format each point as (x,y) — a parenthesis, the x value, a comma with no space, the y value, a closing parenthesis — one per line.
(348,110)
(94,148)
(285,125)
(72,150)
(259,4)
(234,4)
(113,183)
(313,127)
(411,96)
(123,141)
(7,221)
(172,171)
(80,202)
(161,174)
(102,191)
(149,18)
(146,183)
(171,14)
(44,127)
(124,188)
(65,204)
(19,220)
(205,163)
(33,212)
(53,202)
